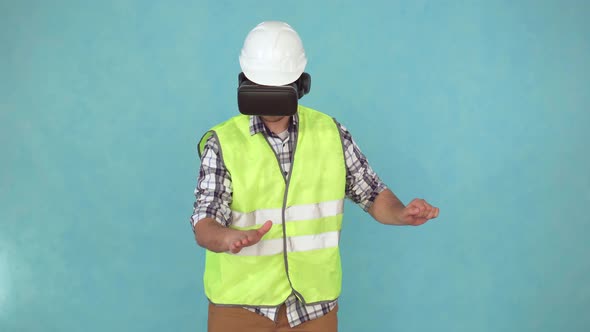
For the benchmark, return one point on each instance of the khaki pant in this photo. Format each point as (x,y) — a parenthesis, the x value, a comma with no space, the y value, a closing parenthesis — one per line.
(230,319)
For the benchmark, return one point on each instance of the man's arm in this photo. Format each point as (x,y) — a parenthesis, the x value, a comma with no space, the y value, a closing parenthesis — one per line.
(212,213)
(365,188)
(389,210)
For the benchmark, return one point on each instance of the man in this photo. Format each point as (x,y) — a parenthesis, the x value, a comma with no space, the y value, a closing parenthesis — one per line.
(269,199)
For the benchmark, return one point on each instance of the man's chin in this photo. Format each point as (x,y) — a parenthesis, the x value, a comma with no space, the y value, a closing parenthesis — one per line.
(272,118)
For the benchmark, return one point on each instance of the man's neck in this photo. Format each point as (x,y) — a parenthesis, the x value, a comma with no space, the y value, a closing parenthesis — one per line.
(276,124)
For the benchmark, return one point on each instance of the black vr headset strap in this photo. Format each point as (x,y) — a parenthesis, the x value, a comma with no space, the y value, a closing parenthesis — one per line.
(303,84)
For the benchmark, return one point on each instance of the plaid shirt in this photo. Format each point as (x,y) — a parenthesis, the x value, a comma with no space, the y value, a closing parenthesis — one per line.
(214,194)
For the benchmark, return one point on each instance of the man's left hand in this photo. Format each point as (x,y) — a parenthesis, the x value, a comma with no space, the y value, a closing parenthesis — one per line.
(418,212)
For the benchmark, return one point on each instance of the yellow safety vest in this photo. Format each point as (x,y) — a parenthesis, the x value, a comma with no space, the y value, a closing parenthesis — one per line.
(300,253)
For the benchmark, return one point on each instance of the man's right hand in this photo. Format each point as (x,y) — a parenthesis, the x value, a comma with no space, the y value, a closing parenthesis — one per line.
(217,238)
(237,240)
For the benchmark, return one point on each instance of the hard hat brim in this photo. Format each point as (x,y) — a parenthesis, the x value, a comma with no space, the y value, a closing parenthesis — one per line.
(272,78)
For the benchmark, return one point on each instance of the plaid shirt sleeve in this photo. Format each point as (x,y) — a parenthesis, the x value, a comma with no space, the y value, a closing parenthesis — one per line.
(362,184)
(214,190)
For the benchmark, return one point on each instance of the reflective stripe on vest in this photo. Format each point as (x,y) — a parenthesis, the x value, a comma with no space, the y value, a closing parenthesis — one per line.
(292,213)
(294,244)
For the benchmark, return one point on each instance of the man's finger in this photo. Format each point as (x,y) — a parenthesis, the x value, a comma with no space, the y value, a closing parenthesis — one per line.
(264,228)
(427,208)
(428,211)
(411,210)
(432,213)
(233,248)
(423,210)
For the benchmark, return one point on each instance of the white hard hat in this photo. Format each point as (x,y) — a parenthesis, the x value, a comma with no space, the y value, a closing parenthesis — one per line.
(273,54)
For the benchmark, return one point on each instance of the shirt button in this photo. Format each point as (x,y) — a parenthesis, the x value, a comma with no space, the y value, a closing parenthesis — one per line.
(285,173)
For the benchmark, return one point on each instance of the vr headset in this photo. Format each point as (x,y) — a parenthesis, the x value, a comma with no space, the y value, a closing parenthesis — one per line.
(264,100)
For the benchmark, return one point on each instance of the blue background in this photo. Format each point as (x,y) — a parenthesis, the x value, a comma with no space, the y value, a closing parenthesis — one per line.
(482,108)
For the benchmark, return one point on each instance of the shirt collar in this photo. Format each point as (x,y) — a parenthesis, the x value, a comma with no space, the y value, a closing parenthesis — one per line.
(257,125)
